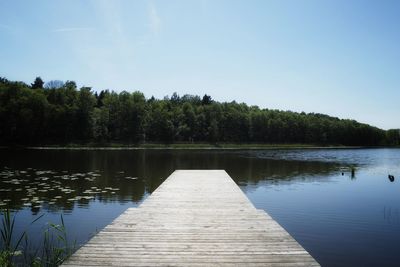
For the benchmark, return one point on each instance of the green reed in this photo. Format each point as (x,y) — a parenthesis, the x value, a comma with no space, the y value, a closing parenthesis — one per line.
(53,251)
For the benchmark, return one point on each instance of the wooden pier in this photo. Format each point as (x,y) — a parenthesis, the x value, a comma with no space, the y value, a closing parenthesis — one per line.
(195,218)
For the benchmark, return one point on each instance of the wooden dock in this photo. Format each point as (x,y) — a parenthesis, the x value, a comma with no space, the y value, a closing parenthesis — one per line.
(195,218)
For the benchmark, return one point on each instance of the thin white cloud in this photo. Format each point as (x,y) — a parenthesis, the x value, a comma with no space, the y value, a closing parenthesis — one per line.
(106,54)
(73,29)
(155,21)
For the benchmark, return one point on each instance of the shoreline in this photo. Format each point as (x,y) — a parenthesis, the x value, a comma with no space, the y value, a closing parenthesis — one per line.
(190,147)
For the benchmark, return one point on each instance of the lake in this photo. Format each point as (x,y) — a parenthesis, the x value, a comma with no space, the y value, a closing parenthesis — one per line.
(337,203)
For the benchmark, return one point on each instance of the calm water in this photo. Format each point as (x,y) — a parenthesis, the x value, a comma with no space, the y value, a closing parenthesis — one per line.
(342,219)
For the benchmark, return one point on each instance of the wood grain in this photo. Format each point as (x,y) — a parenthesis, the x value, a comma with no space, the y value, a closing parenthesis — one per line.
(195,218)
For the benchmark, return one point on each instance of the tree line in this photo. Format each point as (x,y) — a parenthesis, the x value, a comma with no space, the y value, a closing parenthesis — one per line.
(59,113)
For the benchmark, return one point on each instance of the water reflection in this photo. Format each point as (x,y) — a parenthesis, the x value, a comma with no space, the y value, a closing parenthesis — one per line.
(391,215)
(341,205)
(62,179)
(344,156)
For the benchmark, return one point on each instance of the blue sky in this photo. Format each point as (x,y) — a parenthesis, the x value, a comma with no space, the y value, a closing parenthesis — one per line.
(339,57)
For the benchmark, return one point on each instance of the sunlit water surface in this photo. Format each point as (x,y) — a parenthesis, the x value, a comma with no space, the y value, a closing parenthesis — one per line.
(342,218)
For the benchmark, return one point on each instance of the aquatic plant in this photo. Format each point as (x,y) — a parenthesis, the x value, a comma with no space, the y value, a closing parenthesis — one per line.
(56,246)
(9,249)
(54,250)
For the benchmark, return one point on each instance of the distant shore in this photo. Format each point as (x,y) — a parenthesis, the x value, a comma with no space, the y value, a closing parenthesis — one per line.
(187,146)
(183,146)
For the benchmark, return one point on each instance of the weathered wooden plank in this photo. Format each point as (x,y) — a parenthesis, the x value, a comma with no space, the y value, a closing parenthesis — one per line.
(195,264)
(195,218)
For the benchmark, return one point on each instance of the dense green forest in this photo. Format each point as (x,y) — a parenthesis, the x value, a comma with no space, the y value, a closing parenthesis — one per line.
(59,113)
